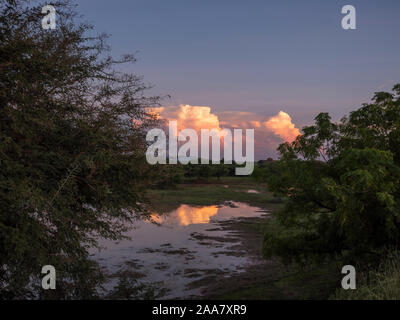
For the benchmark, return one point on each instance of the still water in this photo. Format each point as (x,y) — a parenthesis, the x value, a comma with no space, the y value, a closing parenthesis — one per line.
(180,248)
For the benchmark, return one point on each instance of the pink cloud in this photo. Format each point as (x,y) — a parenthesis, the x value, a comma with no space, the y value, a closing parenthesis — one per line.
(194,117)
(269,131)
(282,125)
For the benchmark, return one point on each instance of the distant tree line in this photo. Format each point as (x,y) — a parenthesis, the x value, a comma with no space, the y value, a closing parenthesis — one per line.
(179,173)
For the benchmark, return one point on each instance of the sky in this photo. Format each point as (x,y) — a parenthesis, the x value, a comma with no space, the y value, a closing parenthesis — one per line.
(255,63)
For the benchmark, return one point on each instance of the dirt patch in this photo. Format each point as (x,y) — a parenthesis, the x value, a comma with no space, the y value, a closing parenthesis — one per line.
(246,242)
(204,238)
(134,264)
(127,273)
(166,245)
(161,266)
(206,276)
(180,251)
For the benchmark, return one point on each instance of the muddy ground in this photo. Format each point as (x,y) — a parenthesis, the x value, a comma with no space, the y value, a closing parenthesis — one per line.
(259,272)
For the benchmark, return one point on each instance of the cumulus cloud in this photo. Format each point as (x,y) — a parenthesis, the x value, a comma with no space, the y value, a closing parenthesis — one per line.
(269,131)
(282,125)
(194,117)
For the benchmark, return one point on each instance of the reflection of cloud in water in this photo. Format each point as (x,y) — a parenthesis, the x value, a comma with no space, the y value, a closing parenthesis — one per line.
(172,244)
(186,215)
(192,215)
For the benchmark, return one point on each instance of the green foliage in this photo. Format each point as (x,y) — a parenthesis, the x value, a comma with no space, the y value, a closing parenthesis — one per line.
(168,175)
(72,162)
(342,185)
(131,289)
(175,174)
(382,283)
(206,171)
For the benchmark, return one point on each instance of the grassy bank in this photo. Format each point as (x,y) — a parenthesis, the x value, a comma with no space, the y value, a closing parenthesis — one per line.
(380,284)
(316,283)
(216,191)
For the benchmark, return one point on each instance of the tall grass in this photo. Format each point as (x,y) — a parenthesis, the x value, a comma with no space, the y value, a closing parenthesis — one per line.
(383,283)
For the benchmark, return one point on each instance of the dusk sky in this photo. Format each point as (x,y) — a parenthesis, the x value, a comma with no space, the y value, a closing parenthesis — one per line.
(249,60)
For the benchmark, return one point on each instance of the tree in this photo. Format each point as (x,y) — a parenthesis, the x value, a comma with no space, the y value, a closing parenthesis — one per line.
(72,143)
(342,186)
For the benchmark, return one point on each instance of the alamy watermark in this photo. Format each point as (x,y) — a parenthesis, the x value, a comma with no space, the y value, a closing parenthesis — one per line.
(49,20)
(188,152)
(49,280)
(157,152)
(349,280)
(349,20)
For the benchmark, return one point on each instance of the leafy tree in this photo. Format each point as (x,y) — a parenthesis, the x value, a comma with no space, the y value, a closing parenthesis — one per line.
(342,183)
(72,143)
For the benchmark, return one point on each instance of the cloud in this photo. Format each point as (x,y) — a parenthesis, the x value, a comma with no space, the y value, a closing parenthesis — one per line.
(269,131)
(240,119)
(194,117)
(282,125)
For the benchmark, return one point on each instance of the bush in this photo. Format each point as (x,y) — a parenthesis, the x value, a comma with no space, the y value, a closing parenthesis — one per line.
(380,284)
